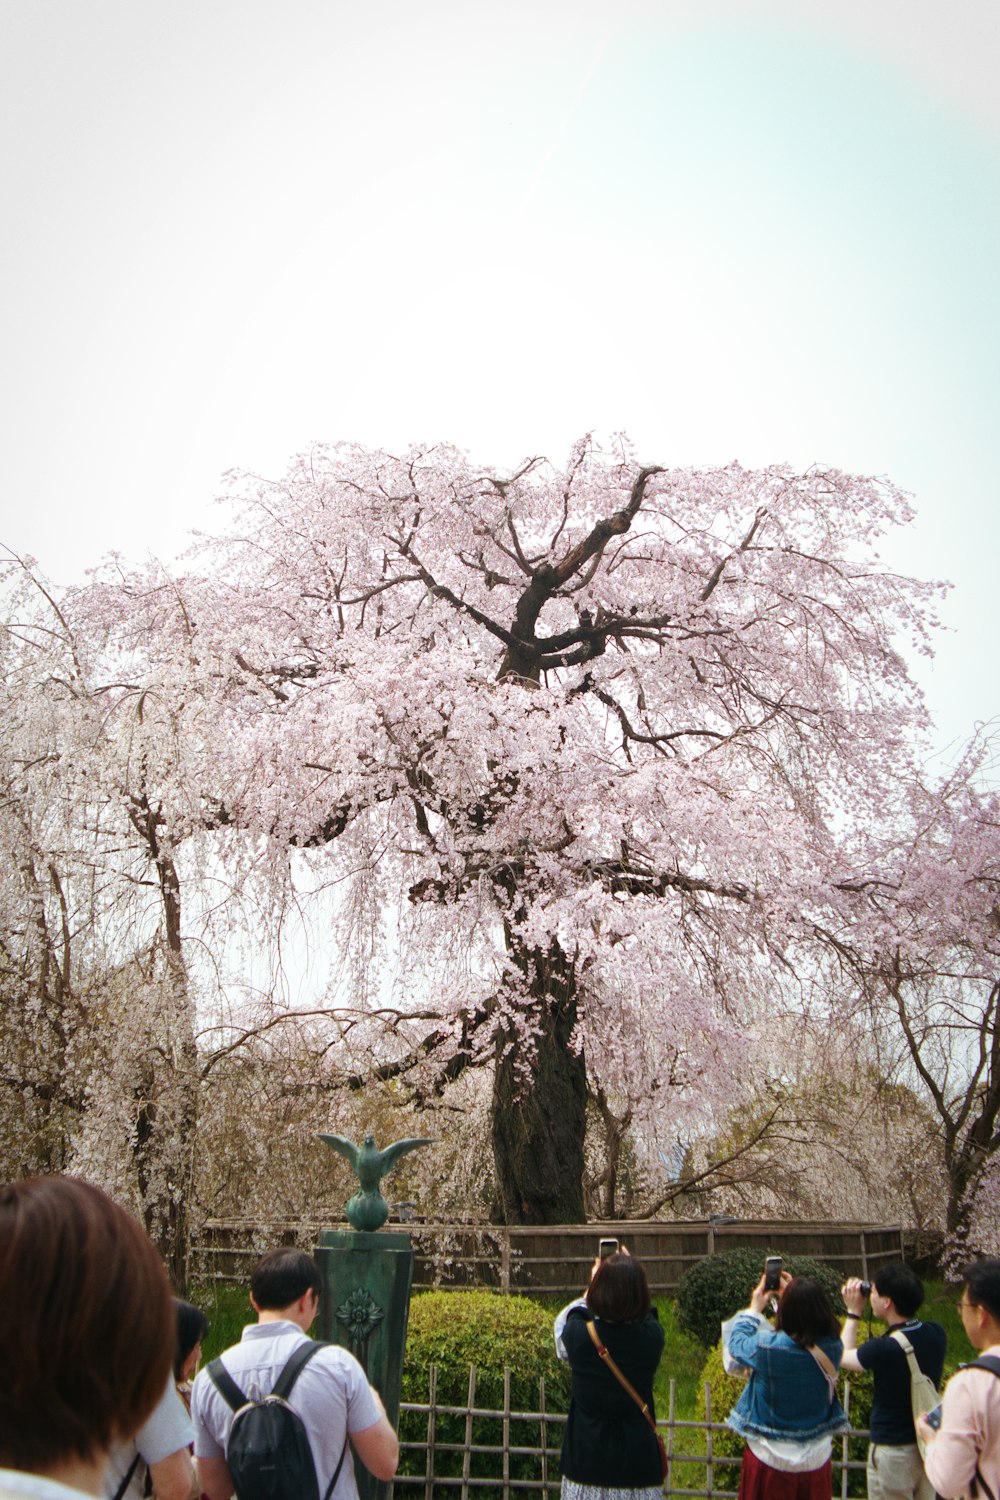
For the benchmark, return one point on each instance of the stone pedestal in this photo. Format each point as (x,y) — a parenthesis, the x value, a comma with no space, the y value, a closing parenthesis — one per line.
(364,1306)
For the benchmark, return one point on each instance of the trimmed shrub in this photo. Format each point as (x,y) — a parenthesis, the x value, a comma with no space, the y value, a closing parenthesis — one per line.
(720,1285)
(453,1330)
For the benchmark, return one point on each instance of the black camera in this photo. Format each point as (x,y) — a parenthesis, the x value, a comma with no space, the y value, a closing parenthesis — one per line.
(866,1289)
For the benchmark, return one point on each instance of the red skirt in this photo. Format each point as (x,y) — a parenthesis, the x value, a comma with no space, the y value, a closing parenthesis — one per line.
(760,1482)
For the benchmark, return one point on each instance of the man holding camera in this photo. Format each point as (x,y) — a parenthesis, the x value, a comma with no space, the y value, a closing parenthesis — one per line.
(895,1468)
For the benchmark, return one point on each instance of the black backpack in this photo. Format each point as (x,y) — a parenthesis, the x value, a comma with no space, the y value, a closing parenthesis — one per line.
(268,1452)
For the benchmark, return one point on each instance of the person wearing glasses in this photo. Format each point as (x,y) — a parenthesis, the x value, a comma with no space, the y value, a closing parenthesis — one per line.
(963,1454)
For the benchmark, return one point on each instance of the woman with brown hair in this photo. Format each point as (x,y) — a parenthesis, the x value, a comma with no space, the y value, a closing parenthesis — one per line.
(87,1330)
(609,1445)
(788,1410)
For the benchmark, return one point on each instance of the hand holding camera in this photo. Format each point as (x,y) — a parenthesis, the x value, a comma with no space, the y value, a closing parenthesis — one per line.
(605,1248)
(770,1286)
(855,1293)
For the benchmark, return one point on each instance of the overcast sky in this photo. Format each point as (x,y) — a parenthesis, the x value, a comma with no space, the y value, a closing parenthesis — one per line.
(764,231)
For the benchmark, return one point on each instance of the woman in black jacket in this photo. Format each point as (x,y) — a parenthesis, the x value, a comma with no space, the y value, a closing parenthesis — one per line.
(609,1448)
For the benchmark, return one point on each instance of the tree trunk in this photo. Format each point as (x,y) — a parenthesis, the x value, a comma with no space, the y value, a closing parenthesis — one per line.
(539,1113)
(168,1113)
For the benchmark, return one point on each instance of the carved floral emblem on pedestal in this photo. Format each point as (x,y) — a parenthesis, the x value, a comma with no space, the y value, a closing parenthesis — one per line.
(359,1315)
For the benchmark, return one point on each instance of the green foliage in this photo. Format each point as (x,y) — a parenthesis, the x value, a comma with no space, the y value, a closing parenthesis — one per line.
(941,1306)
(227,1307)
(725,1390)
(720,1285)
(453,1330)
(683,1357)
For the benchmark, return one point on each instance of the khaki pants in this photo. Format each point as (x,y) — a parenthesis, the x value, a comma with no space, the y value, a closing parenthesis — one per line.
(897,1473)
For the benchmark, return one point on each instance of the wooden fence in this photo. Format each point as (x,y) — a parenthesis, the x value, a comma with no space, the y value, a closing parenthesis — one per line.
(476,1451)
(554,1261)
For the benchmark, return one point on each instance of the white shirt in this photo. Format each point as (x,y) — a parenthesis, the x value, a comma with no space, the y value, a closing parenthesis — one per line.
(16,1485)
(331,1395)
(166,1430)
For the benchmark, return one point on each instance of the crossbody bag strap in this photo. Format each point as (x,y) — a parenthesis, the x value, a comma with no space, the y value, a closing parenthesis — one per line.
(602,1351)
(828,1367)
(908,1350)
(120,1491)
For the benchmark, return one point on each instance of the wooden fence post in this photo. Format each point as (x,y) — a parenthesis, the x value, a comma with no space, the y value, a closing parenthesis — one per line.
(506,1433)
(845,1444)
(545,1437)
(671,1410)
(467,1455)
(431,1417)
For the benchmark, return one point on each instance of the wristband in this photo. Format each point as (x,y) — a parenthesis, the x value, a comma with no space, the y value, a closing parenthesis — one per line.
(852,1315)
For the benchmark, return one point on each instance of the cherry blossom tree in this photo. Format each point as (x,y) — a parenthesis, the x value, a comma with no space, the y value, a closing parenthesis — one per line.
(99,1040)
(823,1133)
(928,963)
(585,745)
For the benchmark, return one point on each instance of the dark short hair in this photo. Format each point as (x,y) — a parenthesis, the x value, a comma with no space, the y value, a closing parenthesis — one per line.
(982,1279)
(86,1324)
(805,1312)
(281,1277)
(901,1284)
(619,1291)
(192,1326)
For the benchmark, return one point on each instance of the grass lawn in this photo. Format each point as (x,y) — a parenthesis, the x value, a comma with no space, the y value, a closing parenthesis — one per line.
(227,1307)
(941,1306)
(683,1359)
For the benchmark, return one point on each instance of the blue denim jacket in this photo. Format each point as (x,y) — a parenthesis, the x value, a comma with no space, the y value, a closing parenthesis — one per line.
(787,1395)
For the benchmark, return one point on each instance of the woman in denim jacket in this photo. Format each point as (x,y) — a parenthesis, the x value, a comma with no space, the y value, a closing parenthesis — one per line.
(789,1408)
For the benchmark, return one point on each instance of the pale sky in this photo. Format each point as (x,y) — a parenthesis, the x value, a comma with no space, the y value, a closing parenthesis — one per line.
(762,231)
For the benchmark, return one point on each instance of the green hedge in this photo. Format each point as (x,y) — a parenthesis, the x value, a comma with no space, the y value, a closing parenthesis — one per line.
(720,1285)
(453,1330)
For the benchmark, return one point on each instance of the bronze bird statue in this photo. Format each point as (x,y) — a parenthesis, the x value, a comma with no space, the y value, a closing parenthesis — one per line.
(367,1209)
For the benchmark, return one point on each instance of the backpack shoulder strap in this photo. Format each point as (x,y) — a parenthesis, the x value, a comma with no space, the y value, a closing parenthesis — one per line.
(984,1362)
(336,1473)
(294,1366)
(226,1385)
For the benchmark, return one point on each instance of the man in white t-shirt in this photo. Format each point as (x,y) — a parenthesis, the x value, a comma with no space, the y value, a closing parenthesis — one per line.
(331,1395)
